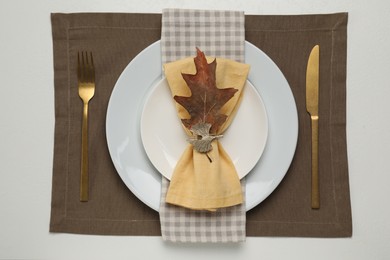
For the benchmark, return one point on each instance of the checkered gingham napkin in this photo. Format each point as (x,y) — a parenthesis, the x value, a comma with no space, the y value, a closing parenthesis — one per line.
(218,34)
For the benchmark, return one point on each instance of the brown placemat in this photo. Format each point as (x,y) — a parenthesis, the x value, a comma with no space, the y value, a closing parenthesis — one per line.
(115,39)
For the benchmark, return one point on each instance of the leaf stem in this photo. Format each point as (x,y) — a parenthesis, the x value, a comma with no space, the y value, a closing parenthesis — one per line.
(208,157)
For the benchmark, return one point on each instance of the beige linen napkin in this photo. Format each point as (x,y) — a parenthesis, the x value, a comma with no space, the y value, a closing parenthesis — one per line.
(219,34)
(200,181)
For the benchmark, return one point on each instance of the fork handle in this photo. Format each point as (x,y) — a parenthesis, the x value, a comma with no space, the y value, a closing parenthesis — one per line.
(315,191)
(84,156)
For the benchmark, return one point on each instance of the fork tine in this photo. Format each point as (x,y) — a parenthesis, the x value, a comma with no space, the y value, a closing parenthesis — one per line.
(86,59)
(92,69)
(89,67)
(83,68)
(91,59)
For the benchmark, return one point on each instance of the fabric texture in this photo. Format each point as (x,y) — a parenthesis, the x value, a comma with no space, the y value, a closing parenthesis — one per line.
(183,225)
(199,181)
(219,34)
(115,39)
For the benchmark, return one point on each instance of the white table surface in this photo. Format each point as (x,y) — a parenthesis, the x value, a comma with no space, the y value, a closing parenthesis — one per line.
(27,131)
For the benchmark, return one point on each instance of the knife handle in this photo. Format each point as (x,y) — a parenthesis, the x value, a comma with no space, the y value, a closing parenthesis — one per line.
(315,191)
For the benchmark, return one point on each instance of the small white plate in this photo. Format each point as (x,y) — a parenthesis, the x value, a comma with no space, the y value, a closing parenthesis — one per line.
(164,138)
(123,126)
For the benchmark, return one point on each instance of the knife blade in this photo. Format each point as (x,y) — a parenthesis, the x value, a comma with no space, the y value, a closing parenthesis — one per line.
(312,102)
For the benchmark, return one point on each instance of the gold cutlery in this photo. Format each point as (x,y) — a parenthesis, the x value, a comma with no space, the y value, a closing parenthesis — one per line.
(86,84)
(312,99)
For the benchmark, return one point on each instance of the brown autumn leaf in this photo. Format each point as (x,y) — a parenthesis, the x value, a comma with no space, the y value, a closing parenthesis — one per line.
(206,98)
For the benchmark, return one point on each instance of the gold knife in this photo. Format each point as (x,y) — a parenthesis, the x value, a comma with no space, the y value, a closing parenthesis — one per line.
(312,99)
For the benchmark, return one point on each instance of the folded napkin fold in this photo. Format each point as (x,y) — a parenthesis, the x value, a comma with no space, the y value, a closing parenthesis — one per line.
(218,34)
(197,182)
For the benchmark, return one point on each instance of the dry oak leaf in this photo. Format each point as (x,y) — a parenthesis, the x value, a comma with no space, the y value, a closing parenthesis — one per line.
(206,98)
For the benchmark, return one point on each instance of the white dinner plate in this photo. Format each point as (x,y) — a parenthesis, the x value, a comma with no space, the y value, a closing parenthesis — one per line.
(164,138)
(123,126)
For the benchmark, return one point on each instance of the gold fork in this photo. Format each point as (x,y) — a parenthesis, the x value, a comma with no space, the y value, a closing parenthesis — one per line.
(86,83)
